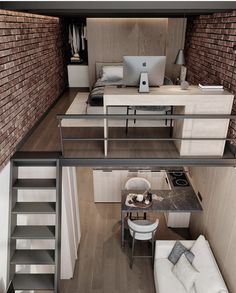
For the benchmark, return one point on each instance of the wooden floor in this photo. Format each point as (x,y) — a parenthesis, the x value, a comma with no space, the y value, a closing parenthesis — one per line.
(103,266)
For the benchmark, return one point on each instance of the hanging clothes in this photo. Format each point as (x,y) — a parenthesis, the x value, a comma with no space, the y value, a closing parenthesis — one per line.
(77,37)
(82,38)
(71,40)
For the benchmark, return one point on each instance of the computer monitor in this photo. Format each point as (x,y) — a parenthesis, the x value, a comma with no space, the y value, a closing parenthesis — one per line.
(143,71)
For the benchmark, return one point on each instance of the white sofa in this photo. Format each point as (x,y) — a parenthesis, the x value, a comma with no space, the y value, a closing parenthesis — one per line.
(209,279)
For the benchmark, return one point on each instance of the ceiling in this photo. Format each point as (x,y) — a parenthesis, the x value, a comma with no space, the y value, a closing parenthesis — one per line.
(119,8)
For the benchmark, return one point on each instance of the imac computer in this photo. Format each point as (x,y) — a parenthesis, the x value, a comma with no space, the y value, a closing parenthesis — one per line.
(144,71)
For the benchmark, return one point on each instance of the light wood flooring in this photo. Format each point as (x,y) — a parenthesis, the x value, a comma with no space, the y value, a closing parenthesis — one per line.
(102,265)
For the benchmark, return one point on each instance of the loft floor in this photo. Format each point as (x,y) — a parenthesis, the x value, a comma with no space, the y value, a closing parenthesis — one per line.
(46,138)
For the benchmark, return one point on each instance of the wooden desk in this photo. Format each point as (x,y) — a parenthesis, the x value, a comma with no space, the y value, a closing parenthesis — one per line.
(190,101)
(174,200)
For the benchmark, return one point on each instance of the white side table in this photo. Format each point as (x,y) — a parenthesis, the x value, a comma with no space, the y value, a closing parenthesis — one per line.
(78,75)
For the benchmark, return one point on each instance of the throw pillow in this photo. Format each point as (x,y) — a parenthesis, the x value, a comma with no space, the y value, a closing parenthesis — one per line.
(112,73)
(185,272)
(177,251)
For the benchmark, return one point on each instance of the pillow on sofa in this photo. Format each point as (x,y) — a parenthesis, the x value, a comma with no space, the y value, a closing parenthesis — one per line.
(177,251)
(210,279)
(112,73)
(185,272)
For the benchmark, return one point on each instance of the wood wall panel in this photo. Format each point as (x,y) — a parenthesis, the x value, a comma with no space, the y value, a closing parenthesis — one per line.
(218,219)
(110,39)
(175,41)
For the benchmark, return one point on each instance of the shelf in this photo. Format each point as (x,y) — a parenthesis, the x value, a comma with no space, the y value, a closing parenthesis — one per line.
(34,232)
(34,208)
(33,282)
(34,257)
(35,184)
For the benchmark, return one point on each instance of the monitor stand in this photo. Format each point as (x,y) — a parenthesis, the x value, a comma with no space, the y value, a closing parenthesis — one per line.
(143,83)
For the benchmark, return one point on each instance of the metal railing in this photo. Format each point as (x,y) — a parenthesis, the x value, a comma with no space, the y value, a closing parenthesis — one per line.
(63,138)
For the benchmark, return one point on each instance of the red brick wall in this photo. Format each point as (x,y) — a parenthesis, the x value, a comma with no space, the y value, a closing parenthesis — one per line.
(209,52)
(32,73)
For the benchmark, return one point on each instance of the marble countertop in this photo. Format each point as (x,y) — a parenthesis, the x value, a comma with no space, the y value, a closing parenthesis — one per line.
(177,199)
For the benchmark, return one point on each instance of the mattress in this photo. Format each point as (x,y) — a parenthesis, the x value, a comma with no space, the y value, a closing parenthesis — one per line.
(95,97)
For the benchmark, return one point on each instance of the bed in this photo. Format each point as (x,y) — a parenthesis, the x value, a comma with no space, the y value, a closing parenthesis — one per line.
(95,98)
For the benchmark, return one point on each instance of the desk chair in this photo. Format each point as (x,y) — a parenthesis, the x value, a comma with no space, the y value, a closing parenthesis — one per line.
(167,109)
(137,183)
(142,230)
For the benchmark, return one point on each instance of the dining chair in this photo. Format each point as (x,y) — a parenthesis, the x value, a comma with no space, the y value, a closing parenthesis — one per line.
(142,230)
(167,109)
(137,183)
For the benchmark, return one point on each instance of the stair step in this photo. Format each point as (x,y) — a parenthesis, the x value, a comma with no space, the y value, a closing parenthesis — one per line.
(34,208)
(35,184)
(34,163)
(34,232)
(33,281)
(33,256)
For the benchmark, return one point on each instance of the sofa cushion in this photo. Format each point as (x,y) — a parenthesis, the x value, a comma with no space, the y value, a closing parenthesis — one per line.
(165,280)
(185,272)
(209,280)
(177,251)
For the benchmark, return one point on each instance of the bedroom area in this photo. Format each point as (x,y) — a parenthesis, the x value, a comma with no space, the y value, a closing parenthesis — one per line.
(103,42)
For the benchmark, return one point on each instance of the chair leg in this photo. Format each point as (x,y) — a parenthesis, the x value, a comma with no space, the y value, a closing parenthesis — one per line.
(153,242)
(145,216)
(135,114)
(127,122)
(166,119)
(171,122)
(132,252)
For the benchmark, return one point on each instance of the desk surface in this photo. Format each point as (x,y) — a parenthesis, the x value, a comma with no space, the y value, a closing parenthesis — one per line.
(180,199)
(163,90)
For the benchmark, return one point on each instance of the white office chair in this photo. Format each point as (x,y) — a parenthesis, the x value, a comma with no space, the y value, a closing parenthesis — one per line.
(142,230)
(137,183)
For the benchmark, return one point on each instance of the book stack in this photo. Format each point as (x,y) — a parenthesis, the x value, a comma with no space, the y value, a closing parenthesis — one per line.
(213,87)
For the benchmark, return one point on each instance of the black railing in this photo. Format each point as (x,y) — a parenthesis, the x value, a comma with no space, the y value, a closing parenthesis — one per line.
(63,138)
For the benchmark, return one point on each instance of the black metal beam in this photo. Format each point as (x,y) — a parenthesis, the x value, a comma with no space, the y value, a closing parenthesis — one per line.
(148,162)
(120,8)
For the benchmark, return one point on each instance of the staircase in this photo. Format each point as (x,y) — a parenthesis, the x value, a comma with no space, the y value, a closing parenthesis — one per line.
(29,257)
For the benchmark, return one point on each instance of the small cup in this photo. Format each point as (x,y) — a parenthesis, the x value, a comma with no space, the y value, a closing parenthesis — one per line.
(140,197)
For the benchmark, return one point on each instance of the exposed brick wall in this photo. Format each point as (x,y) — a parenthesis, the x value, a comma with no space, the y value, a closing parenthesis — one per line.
(209,52)
(32,73)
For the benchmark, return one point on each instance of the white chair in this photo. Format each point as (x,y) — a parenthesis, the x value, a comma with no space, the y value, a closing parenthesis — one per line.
(142,230)
(137,183)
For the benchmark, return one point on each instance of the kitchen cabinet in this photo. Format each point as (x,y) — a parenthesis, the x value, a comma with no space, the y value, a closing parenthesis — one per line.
(109,183)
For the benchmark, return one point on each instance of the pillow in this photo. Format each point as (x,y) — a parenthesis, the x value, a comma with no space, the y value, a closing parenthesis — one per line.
(177,251)
(112,73)
(185,272)
(210,279)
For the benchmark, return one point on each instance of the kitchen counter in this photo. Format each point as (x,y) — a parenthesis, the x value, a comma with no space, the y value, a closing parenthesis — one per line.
(178,199)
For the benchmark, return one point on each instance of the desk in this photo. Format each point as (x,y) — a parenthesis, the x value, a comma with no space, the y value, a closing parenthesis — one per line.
(190,101)
(175,200)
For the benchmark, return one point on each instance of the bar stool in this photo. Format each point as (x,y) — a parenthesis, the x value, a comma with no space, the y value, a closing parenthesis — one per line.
(142,230)
(137,183)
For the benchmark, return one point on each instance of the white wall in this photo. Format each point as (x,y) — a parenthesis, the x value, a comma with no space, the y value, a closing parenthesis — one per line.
(4,208)
(218,219)
(70,230)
